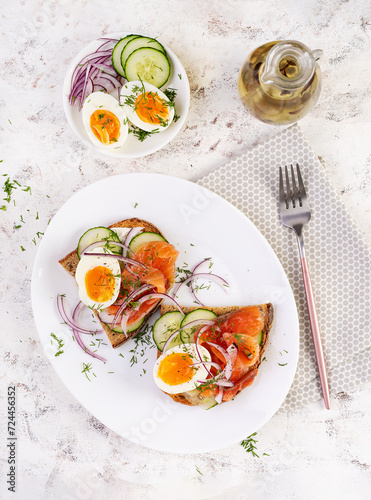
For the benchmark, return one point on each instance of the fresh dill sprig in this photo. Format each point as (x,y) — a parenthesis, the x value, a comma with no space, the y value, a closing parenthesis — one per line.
(142,342)
(170,94)
(86,369)
(60,344)
(249,445)
(142,134)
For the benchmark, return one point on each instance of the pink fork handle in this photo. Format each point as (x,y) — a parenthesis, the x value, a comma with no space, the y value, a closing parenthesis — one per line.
(315,332)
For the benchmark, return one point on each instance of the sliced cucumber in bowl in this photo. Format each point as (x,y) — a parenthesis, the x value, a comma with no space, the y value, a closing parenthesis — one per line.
(139,42)
(117,51)
(149,65)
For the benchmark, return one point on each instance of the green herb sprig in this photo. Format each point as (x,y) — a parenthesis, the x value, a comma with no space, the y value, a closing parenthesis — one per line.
(249,445)
(60,344)
(86,369)
(142,342)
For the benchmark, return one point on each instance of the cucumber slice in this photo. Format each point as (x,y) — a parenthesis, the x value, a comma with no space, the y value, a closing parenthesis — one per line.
(139,42)
(149,65)
(97,234)
(259,338)
(117,51)
(131,327)
(143,238)
(167,324)
(187,334)
(195,397)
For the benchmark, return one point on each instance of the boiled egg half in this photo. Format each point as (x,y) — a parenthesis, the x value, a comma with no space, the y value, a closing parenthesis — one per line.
(98,279)
(104,120)
(146,106)
(173,371)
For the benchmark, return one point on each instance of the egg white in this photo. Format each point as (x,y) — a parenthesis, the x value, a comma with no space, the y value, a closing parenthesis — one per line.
(200,372)
(97,101)
(88,262)
(132,90)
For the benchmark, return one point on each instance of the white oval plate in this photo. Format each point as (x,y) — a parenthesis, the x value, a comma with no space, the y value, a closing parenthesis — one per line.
(132,148)
(200,224)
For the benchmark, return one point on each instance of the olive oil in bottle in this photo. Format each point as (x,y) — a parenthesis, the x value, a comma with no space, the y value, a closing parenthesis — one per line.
(280,82)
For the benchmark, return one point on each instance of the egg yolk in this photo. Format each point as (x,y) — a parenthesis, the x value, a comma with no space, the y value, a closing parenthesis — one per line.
(100,283)
(176,368)
(150,108)
(105,126)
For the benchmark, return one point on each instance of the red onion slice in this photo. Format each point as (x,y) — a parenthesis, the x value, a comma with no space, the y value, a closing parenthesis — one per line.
(105,69)
(233,351)
(99,54)
(224,383)
(81,66)
(84,94)
(209,363)
(219,396)
(94,71)
(126,260)
(105,317)
(129,298)
(197,338)
(227,372)
(104,79)
(217,379)
(222,378)
(209,276)
(75,315)
(200,264)
(195,295)
(115,40)
(156,295)
(134,231)
(71,322)
(104,242)
(192,282)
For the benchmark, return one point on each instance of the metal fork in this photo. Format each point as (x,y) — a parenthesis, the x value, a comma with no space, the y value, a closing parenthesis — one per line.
(295,213)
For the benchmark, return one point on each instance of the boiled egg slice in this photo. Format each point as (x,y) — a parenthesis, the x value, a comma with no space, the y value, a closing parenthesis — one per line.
(98,279)
(146,106)
(104,120)
(173,372)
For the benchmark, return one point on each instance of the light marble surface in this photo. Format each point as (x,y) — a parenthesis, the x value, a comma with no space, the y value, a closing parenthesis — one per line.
(63,451)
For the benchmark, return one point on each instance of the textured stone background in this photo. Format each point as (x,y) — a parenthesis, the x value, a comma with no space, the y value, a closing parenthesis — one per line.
(63,451)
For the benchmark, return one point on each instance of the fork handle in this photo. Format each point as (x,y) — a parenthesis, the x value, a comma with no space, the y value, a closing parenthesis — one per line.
(314,325)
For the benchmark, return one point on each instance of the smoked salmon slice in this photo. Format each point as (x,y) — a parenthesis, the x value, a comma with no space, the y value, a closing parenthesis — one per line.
(159,258)
(248,320)
(239,328)
(241,384)
(159,255)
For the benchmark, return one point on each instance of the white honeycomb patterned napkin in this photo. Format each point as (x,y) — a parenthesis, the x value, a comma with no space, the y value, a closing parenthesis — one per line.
(339,259)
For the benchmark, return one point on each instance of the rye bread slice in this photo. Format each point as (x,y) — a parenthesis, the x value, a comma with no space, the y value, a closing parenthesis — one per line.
(70,261)
(220,311)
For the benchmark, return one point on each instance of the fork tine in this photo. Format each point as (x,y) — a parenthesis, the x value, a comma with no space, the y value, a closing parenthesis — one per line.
(302,193)
(282,190)
(295,197)
(288,189)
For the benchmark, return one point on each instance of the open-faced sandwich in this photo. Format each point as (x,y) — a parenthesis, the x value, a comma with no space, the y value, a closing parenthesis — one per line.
(123,273)
(208,356)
